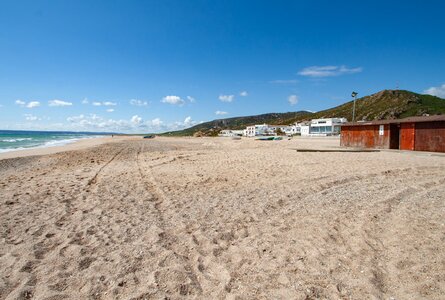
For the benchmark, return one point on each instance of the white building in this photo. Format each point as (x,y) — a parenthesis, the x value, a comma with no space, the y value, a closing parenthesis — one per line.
(262,129)
(289,130)
(249,131)
(316,127)
(286,129)
(323,127)
(265,129)
(225,133)
(330,126)
(238,132)
(297,128)
(305,130)
(229,133)
(254,130)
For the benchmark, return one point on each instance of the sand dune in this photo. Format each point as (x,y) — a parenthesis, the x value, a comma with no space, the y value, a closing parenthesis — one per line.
(212,218)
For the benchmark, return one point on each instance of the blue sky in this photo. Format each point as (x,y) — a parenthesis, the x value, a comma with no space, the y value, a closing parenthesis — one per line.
(150,66)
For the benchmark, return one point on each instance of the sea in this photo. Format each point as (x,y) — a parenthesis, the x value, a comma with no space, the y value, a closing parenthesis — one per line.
(12,140)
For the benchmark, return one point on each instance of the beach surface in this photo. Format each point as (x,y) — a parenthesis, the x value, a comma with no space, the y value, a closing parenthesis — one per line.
(216,218)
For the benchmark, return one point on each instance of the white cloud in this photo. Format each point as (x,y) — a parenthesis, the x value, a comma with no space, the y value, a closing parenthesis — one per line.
(191,99)
(59,103)
(136,120)
(85,101)
(175,100)
(226,98)
(20,102)
(438,91)
(292,99)
(244,94)
(110,110)
(137,102)
(104,103)
(94,122)
(33,104)
(156,122)
(328,71)
(188,121)
(30,104)
(30,117)
(218,112)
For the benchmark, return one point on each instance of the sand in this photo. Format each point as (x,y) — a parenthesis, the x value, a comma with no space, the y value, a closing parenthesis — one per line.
(215,218)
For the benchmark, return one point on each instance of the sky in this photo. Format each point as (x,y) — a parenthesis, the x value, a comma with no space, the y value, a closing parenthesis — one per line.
(153,66)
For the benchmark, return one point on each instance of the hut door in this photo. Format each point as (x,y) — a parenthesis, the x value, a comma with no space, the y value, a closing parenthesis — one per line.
(407,132)
(394,136)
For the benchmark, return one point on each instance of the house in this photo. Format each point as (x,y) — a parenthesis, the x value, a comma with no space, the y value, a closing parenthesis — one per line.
(425,133)
(262,129)
(286,129)
(249,131)
(229,133)
(327,126)
(321,127)
(238,132)
(225,133)
(289,130)
(305,130)
(296,129)
(301,128)
(255,130)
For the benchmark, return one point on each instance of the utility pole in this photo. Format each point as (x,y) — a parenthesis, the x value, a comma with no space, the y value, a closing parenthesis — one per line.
(353,95)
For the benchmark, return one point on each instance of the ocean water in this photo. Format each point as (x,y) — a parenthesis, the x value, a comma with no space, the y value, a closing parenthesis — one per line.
(11,140)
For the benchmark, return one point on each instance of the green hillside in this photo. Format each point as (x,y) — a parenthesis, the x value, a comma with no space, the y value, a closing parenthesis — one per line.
(386,104)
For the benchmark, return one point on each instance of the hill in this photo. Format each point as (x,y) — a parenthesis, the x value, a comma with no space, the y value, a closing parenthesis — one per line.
(386,104)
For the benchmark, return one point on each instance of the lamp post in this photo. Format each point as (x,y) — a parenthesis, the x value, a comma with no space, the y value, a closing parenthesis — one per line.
(353,95)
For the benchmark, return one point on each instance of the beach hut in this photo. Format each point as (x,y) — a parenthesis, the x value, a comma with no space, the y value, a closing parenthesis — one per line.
(426,133)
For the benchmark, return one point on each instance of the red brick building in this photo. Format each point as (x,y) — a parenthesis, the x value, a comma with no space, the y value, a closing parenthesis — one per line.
(414,133)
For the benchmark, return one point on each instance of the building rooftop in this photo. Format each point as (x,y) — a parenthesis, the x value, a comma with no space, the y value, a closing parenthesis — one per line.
(398,121)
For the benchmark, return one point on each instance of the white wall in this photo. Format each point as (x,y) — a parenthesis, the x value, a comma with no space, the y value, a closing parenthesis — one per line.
(305,130)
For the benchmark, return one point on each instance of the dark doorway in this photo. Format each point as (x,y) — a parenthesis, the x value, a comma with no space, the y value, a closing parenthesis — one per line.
(394,136)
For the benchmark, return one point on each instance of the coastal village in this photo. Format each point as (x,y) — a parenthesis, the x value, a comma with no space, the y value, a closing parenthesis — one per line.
(315,127)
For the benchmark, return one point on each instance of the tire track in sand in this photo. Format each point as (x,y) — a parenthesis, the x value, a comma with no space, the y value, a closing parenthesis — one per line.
(94,179)
(181,253)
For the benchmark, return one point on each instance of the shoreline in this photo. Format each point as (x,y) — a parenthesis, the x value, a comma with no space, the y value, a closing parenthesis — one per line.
(75,145)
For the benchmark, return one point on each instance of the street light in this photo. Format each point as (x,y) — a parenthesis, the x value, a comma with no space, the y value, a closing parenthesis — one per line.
(353,95)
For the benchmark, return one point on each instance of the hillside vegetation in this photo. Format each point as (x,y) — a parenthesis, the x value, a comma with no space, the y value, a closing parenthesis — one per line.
(386,104)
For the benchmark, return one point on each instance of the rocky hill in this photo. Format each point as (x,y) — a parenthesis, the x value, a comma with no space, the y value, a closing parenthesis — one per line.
(386,104)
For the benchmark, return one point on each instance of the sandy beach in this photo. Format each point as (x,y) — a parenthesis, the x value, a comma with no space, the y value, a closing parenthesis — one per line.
(215,218)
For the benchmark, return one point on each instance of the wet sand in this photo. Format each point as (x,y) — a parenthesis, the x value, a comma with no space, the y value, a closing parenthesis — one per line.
(215,218)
